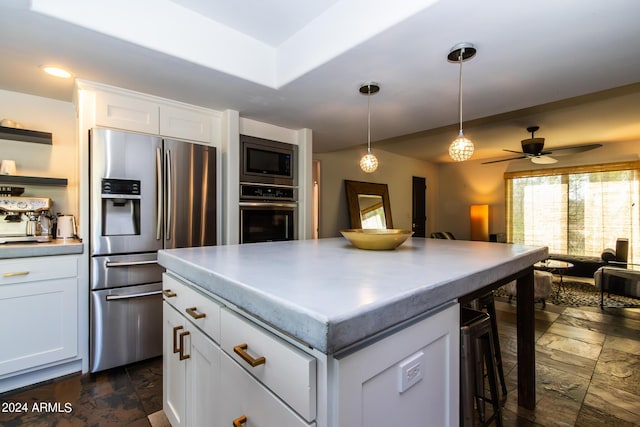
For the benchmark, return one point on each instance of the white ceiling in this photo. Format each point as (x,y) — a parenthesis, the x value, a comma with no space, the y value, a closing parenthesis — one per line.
(300,63)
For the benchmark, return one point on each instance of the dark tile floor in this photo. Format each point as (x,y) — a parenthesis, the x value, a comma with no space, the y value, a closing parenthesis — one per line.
(130,396)
(587,374)
(587,366)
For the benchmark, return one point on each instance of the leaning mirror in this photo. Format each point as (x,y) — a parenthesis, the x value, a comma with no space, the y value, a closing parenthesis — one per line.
(369,205)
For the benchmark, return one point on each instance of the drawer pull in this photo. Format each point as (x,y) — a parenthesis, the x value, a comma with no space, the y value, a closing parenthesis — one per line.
(193,312)
(168,293)
(182,355)
(15,273)
(240,350)
(175,338)
(238,422)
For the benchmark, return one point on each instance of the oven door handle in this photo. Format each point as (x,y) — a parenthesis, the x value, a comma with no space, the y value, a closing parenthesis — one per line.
(129,263)
(142,294)
(268,204)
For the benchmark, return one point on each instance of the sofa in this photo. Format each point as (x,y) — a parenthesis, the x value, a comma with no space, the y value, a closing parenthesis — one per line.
(586,266)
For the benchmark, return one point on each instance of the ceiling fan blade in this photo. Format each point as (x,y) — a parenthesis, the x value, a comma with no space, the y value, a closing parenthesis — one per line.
(504,160)
(543,160)
(565,151)
(512,151)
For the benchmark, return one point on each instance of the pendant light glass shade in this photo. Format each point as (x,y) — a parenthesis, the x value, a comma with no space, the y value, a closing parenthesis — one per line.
(369,162)
(461,148)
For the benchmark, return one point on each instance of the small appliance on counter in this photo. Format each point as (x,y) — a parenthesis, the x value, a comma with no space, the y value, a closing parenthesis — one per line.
(24,219)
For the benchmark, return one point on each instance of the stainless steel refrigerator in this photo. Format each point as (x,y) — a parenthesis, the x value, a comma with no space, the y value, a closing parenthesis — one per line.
(146,194)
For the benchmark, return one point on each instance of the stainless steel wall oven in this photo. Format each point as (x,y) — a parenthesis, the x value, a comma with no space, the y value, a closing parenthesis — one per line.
(268,213)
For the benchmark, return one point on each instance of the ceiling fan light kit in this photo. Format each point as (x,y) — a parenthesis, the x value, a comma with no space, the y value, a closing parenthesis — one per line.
(461,148)
(369,162)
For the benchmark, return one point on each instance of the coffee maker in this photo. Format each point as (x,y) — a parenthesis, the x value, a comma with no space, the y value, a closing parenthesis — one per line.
(25,219)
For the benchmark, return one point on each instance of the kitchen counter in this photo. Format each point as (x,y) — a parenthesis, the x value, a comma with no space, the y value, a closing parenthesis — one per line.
(55,247)
(331,295)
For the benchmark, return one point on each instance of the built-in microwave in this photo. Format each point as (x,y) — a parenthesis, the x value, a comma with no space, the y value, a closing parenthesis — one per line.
(267,162)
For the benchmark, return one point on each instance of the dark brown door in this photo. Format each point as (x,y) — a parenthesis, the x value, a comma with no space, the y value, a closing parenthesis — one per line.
(419,221)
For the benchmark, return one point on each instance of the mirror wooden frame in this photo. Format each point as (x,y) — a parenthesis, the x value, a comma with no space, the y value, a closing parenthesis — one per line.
(355,188)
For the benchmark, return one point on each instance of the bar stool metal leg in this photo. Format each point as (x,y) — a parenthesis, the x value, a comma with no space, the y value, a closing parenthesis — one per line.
(476,351)
(489,304)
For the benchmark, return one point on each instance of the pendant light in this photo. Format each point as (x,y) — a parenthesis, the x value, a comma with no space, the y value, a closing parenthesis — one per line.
(369,162)
(461,148)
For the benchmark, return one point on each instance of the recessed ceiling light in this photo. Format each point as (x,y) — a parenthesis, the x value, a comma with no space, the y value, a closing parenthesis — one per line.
(57,72)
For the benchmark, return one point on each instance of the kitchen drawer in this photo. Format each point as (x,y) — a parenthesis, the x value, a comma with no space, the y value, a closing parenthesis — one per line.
(244,396)
(287,371)
(36,269)
(200,309)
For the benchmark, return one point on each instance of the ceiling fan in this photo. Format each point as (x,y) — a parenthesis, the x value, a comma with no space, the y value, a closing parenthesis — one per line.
(532,148)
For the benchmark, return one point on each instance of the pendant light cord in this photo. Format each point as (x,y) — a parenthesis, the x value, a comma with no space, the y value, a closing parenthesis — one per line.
(460,86)
(369,120)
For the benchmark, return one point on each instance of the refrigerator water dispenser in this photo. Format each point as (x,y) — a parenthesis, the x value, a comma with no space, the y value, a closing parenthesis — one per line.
(120,207)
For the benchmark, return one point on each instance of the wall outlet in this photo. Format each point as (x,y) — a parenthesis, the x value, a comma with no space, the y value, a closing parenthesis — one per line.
(410,371)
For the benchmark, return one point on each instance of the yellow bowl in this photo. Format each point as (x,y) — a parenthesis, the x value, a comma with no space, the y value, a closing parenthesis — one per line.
(376,239)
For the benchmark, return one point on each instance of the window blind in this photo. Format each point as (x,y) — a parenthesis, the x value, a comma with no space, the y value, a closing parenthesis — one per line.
(577,210)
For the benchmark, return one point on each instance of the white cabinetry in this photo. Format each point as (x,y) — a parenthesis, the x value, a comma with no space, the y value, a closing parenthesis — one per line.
(38,313)
(404,379)
(258,376)
(156,116)
(191,359)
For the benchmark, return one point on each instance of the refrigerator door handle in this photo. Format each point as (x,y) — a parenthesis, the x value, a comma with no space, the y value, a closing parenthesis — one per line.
(129,263)
(158,193)
(169,193)
(142,294)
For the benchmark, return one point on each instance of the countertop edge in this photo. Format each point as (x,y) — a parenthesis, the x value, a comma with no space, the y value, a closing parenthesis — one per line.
(29,250)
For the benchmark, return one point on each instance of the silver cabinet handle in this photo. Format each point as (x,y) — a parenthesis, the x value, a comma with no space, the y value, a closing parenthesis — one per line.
(142,294)
(129,263)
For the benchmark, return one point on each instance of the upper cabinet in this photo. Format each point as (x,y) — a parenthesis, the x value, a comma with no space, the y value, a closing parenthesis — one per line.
(124,112)
(149,115)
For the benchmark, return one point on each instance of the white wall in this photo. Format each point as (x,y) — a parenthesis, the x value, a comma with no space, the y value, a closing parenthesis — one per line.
(467,183)
(58,160)
(394,170)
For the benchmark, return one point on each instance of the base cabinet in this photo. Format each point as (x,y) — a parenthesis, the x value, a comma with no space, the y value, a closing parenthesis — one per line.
(258,377)
(38,313)
(191,364)
(404,379)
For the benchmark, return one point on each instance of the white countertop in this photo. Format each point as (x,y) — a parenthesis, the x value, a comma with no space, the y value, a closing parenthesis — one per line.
(33,249)
(330,295)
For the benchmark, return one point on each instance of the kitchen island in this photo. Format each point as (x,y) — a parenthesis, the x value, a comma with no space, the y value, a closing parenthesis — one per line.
(336,304)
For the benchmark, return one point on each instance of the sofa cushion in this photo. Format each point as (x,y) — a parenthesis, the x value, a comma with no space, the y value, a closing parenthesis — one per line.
(608,255)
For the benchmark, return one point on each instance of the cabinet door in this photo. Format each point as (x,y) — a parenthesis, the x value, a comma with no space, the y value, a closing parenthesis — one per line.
(39,323)
(185,123)
(203,384)
(174,369)
(244,396)
(128,113)
(426,355)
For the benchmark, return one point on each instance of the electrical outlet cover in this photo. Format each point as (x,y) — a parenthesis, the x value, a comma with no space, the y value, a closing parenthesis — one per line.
(410,371)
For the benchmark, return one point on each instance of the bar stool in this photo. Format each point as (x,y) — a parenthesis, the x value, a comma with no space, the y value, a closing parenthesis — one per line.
(487,302)
(476,352)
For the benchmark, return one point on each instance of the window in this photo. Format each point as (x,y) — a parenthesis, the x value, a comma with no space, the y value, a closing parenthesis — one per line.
(576,211)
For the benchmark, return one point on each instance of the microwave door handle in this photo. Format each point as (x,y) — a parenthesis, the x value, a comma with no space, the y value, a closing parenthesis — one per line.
(286,227)
(159,201)
(169,191)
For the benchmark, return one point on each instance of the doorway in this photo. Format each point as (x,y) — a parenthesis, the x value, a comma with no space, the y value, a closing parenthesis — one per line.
(418,207)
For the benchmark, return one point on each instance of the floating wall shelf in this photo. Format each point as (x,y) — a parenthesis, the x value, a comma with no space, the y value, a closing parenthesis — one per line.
(26,135)
(33,180)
